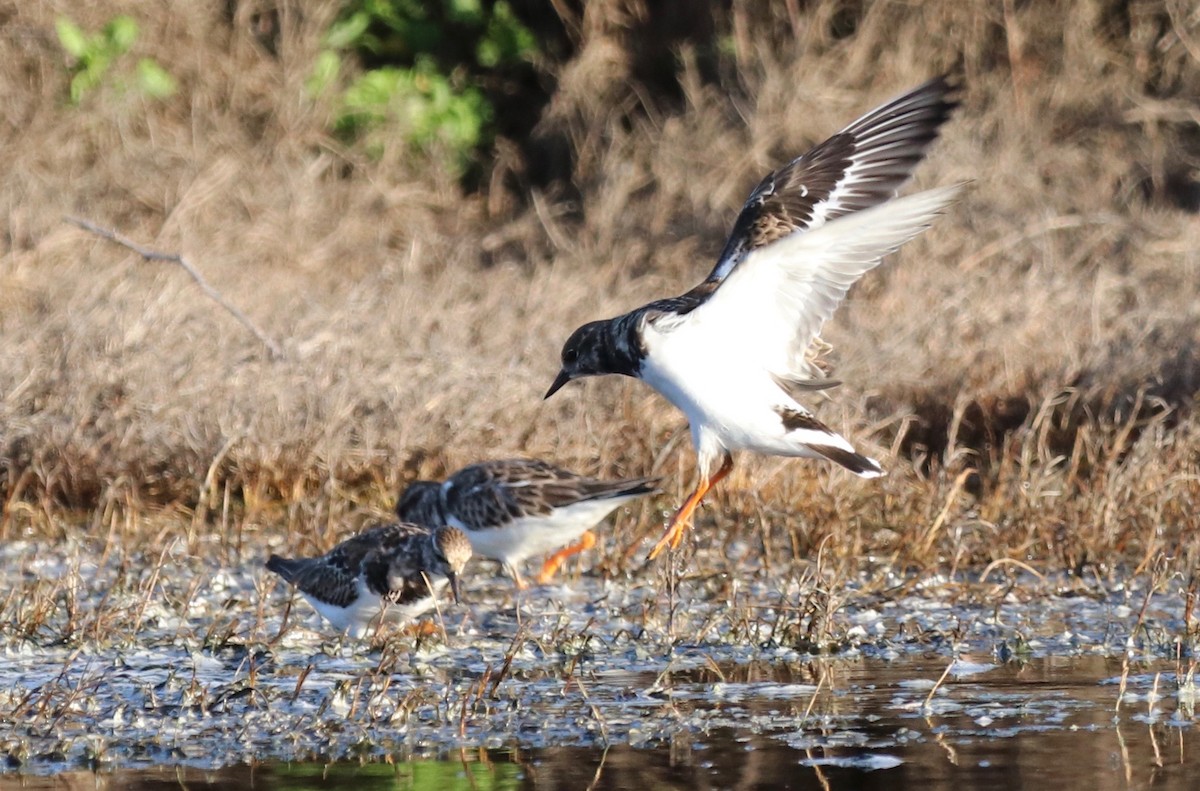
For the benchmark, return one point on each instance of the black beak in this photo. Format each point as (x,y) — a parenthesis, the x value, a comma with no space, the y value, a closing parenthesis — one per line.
(562,379)
(454,586)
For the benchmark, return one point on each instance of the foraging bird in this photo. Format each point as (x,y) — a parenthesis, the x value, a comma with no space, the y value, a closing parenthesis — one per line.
(732,353)
(391,572)
(517,508)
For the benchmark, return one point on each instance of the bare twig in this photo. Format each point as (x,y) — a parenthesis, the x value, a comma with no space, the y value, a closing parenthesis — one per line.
(175,258)
(938,685)
(813,700)
(1009,562)
(930,536)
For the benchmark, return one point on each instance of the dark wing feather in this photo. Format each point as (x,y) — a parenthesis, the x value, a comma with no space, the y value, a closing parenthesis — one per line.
(672,308)
(381,539)
(320,578)
(421,503)
(861,166)
(479,497)
(333,577)
(595,489)
(414,584)
(495,493)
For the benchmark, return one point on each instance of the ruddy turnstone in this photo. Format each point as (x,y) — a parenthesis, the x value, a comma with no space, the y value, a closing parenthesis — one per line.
(517,508)
(390,572)
(731,353)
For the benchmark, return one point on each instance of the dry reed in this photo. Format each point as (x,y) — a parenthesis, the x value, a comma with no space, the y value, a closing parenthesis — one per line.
(1043,335)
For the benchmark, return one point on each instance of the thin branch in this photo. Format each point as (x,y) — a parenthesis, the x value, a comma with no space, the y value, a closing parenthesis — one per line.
(176,258)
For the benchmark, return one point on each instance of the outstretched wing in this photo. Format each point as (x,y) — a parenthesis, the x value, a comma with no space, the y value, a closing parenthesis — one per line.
(859,167)
(774,304)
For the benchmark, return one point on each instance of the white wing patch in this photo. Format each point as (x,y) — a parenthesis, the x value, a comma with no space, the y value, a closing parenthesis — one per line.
(777,299)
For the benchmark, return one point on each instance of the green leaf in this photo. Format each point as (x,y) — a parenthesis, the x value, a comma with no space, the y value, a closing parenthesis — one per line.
(83,82)
(121,32)
(375,88)
(326,68)
(154,79)
(467,12)
(344,33)
(73,40)
(506,40)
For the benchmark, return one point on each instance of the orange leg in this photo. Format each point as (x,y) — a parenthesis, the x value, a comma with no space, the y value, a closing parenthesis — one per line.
(514,572)
(683,517)
(586,542)
(420,629)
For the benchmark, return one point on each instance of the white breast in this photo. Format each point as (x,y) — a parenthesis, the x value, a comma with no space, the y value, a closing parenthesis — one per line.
(537,535)
(363,614)
(728,397)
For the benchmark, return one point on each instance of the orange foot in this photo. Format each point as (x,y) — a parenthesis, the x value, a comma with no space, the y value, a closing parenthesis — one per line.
(679,523)
(683,517)
(550,567)
(421,629)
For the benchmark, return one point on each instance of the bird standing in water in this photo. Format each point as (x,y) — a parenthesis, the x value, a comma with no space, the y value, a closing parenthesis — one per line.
(392,572)
(513,509)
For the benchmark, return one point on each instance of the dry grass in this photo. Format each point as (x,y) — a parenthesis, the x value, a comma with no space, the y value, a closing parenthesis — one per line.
(1044,334)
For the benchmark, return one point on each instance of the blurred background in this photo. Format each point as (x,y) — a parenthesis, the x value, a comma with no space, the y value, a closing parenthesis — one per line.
(419,201)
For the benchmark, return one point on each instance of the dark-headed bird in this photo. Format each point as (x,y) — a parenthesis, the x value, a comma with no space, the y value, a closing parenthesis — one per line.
(513,509)
(734,352)
(391,572)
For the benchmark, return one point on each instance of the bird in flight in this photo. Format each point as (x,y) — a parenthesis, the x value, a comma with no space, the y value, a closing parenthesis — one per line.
(733,352)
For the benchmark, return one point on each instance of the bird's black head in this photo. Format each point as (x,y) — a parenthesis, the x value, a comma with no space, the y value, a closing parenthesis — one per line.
(421,504)
(588,352)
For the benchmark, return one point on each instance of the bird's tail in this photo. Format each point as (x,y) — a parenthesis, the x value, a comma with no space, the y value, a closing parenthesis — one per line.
(820,440)
(857,463)
(629,487)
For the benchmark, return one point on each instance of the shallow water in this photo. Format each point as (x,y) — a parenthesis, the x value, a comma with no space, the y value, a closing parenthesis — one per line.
(703,681)
(1048,723)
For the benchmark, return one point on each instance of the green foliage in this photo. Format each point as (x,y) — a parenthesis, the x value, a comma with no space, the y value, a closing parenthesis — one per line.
(325,71)
(96,53)
(154,80)
(428,66)
(404,775)
(428,108)
(506,39)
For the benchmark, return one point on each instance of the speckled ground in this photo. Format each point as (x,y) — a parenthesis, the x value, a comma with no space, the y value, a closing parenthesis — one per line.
(119,663)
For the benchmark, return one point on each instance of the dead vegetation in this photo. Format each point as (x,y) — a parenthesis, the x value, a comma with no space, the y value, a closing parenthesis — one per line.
(1026,370)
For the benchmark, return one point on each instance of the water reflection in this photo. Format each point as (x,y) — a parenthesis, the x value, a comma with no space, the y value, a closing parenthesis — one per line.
(867,724)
